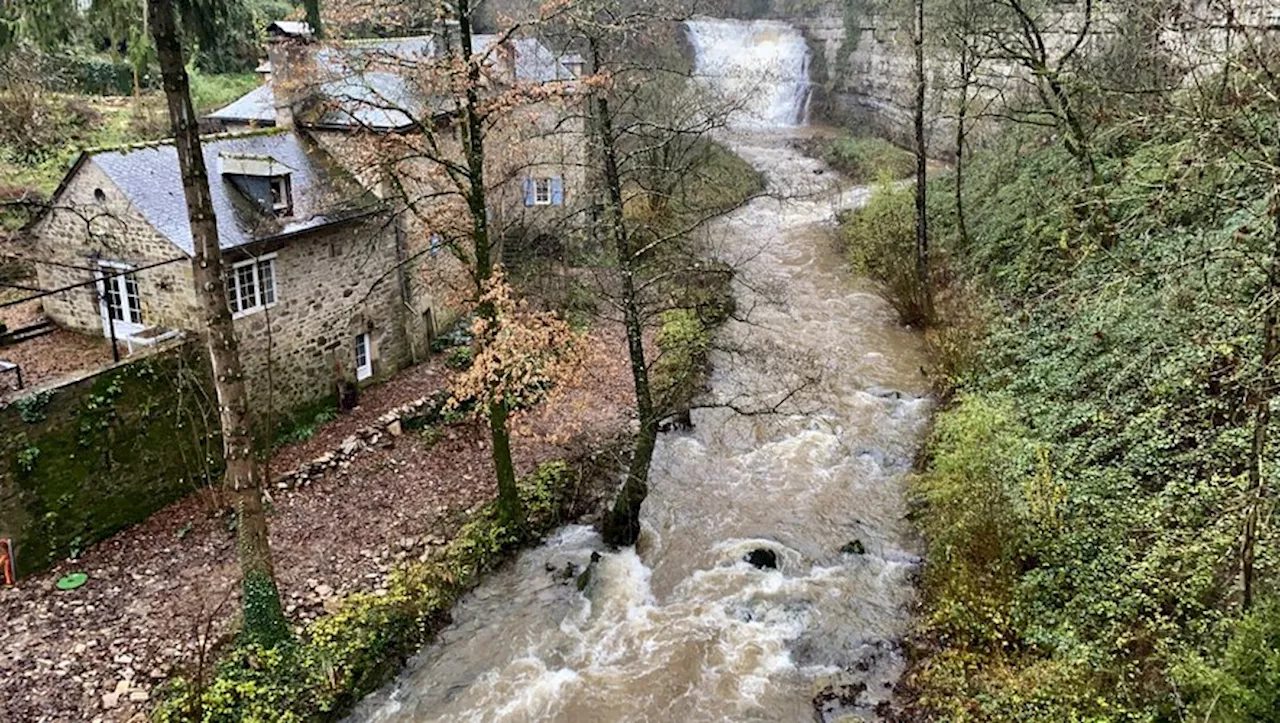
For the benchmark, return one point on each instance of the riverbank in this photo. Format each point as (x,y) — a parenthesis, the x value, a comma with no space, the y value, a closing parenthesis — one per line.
(161,598)
(1085,494)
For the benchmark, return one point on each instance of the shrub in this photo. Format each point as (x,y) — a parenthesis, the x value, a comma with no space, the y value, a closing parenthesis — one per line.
(981,493)
(679,369)
(1242,683)
(881,241)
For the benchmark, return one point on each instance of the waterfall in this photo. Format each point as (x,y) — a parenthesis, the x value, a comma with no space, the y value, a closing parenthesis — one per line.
(761,64)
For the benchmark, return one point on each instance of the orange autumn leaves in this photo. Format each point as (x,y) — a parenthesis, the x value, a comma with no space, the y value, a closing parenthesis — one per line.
(522,357)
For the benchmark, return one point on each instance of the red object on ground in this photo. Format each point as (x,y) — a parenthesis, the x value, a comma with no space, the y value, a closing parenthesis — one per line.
(7,570)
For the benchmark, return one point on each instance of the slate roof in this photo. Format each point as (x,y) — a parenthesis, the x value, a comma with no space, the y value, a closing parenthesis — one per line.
(257,106)
(149,176)
(369,93)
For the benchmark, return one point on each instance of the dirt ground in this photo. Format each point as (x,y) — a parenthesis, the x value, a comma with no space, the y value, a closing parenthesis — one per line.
(161,592)
(51,356)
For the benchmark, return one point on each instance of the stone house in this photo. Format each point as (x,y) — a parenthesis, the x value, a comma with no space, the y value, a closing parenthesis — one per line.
(314,278)
(357,99)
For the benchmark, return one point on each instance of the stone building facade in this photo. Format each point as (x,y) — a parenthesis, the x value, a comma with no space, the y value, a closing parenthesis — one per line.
(317,289)
(366,101)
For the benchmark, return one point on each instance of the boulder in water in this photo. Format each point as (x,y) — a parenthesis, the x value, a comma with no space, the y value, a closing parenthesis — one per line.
(585,579)
(853,547)
(885,393)
(763,558)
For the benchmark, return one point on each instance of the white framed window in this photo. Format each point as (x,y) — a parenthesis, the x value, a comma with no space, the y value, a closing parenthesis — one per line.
(281,195)
(542,192)
(364,358)
(251,285)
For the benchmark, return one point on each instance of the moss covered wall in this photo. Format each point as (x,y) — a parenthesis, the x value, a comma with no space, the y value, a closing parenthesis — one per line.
(79,462)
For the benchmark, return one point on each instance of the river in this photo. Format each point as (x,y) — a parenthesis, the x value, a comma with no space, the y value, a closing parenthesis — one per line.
(685,629)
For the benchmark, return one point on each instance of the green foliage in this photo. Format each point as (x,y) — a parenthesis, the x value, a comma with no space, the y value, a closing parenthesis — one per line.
(679,370)
(306,423)
(211,91)
(1243,684)
(27,459)
(33,408)
(719,180)
(459,358)
(863,159)
(881,241)
(1083,497)
(343,656)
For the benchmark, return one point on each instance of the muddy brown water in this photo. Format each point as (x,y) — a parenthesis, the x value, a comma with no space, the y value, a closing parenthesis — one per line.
(685,629)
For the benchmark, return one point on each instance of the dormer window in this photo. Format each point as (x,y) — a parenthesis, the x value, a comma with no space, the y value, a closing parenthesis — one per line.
(281,196)
(260,178)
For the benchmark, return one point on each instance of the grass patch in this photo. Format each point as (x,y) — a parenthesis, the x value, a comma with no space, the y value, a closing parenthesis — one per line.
(862,159)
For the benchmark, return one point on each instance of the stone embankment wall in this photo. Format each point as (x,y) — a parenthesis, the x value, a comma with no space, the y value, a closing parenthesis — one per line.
(94,455)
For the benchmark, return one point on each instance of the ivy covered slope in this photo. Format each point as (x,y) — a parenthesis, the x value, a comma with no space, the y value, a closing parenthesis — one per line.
(1086,488)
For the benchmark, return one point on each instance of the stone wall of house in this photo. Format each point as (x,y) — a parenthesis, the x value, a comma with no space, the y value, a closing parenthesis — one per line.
(95,222)
(545,139)
(330,286)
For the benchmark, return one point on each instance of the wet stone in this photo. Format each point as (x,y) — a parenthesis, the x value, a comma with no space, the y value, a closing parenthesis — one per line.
(763,559)
(853,547)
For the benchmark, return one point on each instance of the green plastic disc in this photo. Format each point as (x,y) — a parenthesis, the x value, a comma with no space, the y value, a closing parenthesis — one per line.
(73,581)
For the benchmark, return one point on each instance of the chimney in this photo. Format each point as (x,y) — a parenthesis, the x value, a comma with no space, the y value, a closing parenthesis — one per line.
(292,60)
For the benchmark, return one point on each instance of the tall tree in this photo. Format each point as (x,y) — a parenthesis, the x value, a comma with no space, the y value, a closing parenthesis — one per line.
(264,620)
(922,165)
(650,126)
(472,129)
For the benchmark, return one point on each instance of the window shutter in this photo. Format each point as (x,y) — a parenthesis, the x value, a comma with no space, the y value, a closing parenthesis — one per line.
(528,192)
(557,191)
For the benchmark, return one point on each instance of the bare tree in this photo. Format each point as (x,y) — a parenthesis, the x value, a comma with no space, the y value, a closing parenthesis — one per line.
(922,165)
(264,619)
(441,172)
(650,127)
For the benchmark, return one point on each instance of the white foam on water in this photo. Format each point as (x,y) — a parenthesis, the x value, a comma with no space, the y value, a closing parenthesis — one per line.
(762,65)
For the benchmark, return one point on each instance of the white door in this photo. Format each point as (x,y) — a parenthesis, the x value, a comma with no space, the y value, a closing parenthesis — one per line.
(364,358)
(118,300)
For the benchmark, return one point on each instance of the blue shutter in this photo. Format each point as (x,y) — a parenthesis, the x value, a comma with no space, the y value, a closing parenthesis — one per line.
(528,192)
(557,191)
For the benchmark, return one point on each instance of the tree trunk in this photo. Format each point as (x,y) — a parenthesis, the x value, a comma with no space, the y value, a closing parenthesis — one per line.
(510,508)
(623,526)
(922,161)
(264,620)
(1262,409)
(313,18)
(962,115)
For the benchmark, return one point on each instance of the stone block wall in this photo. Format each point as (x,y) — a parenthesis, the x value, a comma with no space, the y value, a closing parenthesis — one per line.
(331,285)
(95,222)
(867,58)
(84,459)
